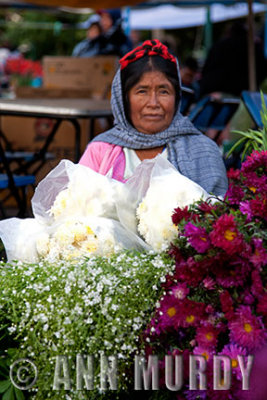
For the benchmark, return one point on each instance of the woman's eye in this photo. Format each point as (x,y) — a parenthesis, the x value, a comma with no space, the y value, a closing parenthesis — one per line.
(141,91)
(164,91)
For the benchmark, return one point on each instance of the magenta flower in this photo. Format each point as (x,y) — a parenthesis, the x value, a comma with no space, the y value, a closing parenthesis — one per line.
(206,207)
(226,236)
(255,183)
(180,214)
(180,291)
(262,305)
(207,336)
(234,274)
(245,209)
(209,283)
(258,207)
(259,256)
(232,350)
(234,194)
(197,237)
(204,351)
(248,298)
(233,174)
(257,286)
(190,313)
(194,395)
(227,304)
(247,330)
(169,312)
(254,161)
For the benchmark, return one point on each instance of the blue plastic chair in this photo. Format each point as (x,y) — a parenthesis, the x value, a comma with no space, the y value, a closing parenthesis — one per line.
(253,103)
(187,99)
(15,185)
(213,113)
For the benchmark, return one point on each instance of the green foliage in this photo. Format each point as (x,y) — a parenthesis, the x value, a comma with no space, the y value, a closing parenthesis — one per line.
(59,38)
(253,139)
(7,390)
(95,305)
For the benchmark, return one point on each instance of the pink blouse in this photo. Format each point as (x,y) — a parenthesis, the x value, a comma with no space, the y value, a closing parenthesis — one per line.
(101,157)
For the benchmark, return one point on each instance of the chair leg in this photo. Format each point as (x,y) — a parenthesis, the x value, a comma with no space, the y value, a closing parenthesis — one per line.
(2,210)
(22,205)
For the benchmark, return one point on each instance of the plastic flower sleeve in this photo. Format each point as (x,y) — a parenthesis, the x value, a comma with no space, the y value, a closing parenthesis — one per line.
(19,237)
(71,189)
(132,193)
(75,216)
(154,191)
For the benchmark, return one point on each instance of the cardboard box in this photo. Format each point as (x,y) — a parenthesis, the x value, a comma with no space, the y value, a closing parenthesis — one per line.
(94,73)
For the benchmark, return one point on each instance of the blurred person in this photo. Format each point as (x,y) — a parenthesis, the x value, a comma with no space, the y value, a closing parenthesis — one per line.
(113,40)
(104,36)
(91,45)
(188,72)
(135,38)
(226,67)
(225,74)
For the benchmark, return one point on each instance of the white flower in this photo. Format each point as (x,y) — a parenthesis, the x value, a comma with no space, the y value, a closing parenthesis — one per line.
(168,190)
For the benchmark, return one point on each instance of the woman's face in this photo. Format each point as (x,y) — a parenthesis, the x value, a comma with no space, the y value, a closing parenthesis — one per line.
(106,21)
(152,103)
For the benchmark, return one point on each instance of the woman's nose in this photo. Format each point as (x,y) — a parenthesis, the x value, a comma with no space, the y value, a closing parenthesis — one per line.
(153,99)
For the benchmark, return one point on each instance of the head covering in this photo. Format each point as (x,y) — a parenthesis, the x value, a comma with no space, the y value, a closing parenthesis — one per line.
(148,48)
(123,133)
(188,149)
(93,19)
(115,13)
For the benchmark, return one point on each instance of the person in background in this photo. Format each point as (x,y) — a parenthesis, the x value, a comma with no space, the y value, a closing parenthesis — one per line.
(188,72)
(90,46)
(226,67)
(113,41)
(135,37)
(145,101)
(104,36)
(225,74)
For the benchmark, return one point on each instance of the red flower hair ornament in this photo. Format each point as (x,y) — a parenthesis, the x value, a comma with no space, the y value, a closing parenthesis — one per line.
(149,48)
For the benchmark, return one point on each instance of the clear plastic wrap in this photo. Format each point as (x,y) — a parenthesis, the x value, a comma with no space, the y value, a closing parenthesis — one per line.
(75,214)
(150,196)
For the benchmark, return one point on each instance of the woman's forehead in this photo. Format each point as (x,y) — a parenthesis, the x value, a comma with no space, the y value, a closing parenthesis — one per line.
(150,77)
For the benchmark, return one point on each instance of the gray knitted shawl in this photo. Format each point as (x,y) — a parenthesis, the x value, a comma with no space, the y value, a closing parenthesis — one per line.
(192,153)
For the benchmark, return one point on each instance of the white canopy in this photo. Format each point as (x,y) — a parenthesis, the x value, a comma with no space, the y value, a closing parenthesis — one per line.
(172,17)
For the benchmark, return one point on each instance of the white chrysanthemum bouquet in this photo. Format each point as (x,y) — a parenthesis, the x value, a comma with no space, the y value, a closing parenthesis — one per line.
(152,194)
(75,215)
(79,212)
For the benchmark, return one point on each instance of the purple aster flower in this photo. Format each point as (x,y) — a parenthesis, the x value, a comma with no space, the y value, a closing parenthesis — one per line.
(246,210)
(180,291)
(195,394)
(254,161)
(234,194)
(198,237)
(247,330)
(232,350)
(259,256)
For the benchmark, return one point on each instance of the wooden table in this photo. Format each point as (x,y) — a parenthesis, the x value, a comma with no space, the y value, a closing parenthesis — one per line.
(59,110)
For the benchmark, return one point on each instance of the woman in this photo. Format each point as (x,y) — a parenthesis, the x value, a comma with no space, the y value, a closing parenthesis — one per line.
(145,100)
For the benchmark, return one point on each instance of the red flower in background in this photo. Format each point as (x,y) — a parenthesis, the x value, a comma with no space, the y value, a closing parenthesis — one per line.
(23,67)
